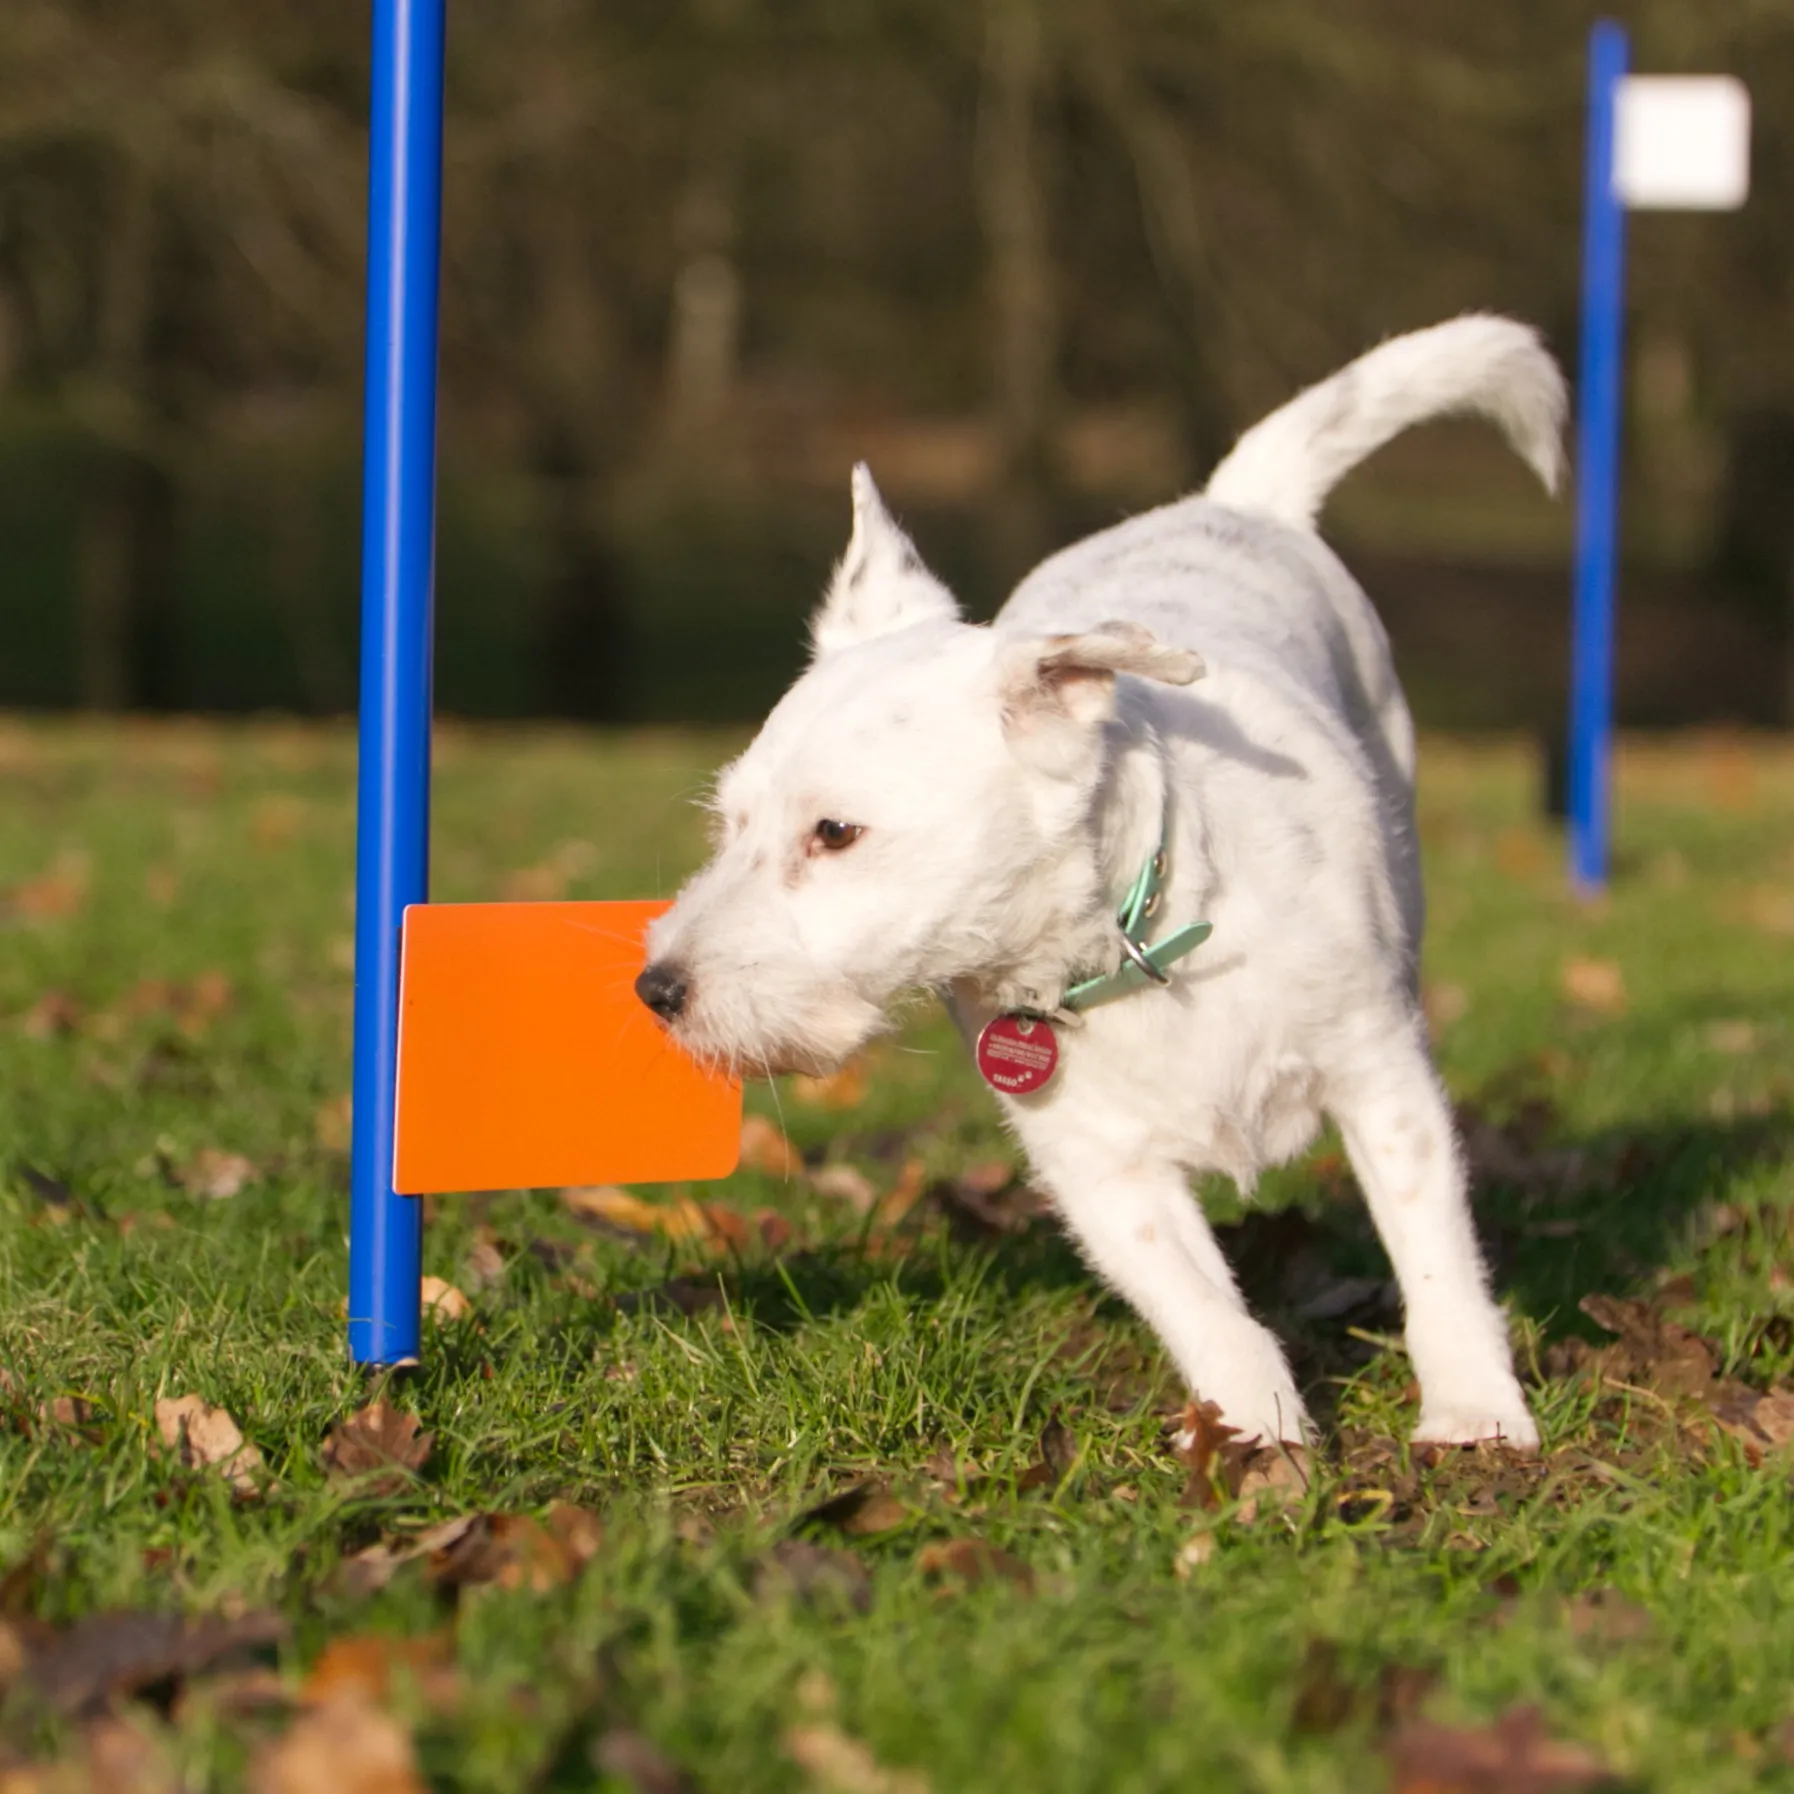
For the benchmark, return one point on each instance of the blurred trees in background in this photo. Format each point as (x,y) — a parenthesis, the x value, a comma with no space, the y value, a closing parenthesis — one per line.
(1037,260)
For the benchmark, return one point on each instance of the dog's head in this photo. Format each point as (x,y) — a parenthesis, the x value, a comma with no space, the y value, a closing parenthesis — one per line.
(916,810)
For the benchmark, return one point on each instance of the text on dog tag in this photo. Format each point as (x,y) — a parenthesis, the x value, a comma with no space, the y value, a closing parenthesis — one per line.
(1017,1053)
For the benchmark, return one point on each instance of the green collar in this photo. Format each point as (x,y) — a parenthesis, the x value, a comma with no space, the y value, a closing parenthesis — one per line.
(1141,964)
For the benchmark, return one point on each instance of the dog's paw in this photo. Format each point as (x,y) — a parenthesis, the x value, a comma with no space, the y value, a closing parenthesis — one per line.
(1465,1423)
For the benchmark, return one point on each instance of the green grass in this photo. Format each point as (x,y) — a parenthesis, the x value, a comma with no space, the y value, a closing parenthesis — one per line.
(1656,1143)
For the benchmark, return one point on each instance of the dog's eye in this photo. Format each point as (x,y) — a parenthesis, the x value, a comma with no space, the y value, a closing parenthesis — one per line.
(836,835)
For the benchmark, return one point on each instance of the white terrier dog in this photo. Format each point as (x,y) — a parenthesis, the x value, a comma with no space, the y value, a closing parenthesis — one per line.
(1037,819)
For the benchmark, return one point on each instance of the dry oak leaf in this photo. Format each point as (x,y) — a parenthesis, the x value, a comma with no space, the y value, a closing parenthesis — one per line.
(765,1148)
(217,1175)
(443,1301)
(1514,1755)
(344,1746)
(380,1443)
(1214,1454)
(1596,984)
(202,1436)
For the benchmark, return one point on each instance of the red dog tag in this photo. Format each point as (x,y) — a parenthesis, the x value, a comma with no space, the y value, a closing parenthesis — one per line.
(1017,1053)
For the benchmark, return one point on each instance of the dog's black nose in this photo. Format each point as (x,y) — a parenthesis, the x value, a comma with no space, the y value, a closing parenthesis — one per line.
(662,988)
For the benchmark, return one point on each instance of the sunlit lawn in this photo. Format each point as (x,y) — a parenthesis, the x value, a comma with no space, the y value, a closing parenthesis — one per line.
(1029,1596)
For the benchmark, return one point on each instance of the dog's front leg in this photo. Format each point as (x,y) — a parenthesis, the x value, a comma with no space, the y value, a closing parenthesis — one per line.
(1144,1234)
(1399,1134)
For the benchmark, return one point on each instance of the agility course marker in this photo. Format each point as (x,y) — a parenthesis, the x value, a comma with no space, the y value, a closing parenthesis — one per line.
(1654,142)
(477,1047)
(526,1058)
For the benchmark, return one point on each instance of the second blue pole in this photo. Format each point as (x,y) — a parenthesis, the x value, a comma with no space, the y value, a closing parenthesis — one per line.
(397,600)
(1597,471)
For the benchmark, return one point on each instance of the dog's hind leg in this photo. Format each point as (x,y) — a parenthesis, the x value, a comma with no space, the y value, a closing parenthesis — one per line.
(1144,1234)
(1399,1134)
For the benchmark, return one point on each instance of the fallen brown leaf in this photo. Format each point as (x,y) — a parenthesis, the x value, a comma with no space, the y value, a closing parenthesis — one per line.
(54,1015)
(1058,1453)
(820,1574)
(765,1148)
(484,1264)
(680,1219)
(845,1089)
(846,1183)
(1595,984)
(1274,1477)
(443,1301)
(577,1530)
(1603,1617)
(59,892)
(727,1229)
(367,1665)
(611,1207)
(333,1125)
(857,1512)
(344,1746)
(969,1562)
(911,1185)
(124,1755)
(1514,1755)
(1653,1351)
(119,1653)
(678,1295)
(1192,1554)
(74,1411)
(1760,1423)
(379,1445)
(1214,1454)
(987,1201)
(511,1550)
(843,1765)
(217,1175)
(203,1436)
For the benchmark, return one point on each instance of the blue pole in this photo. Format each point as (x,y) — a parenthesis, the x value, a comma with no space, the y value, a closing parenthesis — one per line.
(397,579)
(1597,469)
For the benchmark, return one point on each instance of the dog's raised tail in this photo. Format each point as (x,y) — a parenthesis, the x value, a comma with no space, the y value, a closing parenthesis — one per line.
(1285,466)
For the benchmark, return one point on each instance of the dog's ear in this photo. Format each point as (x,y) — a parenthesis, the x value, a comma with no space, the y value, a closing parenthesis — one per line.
(1055,684)
(881,583)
